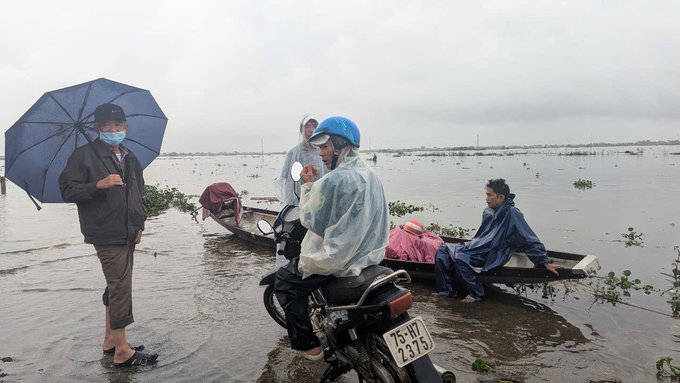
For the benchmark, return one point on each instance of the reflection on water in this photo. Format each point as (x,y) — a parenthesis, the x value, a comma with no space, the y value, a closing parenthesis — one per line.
(511,331)
(198,302)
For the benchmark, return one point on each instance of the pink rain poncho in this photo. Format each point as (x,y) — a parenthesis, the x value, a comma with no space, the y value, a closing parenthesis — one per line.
(410,247)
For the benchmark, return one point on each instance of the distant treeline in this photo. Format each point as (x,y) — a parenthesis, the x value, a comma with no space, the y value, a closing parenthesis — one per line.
(211,154)
(445,149)
(545,146)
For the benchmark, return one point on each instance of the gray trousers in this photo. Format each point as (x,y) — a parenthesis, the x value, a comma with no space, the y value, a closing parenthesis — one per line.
(117,262)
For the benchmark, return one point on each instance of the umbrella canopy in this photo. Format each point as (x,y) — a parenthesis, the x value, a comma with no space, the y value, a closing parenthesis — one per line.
(410,247)
(39,144)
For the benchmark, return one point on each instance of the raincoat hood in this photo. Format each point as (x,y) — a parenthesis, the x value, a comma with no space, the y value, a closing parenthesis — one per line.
(347,217)
(305,119)
(285,188)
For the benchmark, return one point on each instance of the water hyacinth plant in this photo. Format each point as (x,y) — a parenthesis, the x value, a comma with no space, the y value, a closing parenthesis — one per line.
(664,368)
(158,200)
(400,209)
(674,291)
(583,184)
(450,231)
(633,238)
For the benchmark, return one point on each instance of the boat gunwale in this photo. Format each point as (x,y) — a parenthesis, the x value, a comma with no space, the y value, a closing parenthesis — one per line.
(497,275)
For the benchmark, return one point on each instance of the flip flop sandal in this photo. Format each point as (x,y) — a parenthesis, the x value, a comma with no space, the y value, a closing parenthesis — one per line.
(470,297)
(112,350)
(138,359)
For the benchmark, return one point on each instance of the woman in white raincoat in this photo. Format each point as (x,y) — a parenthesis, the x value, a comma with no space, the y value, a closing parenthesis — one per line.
(346,215)
(304,153)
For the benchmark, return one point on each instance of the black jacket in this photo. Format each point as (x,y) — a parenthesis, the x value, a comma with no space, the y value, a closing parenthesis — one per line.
(110,216)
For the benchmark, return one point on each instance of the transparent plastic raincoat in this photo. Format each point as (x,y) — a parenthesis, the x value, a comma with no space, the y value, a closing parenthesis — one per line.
(347,218)
(304,153)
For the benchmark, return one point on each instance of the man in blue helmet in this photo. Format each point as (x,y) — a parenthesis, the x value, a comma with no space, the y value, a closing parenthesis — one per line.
(346,215)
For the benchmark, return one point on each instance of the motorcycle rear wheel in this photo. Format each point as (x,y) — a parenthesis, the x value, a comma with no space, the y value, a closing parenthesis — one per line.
(382,361)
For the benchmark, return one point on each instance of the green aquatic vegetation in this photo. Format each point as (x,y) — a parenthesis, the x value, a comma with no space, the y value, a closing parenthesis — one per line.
(611,296)
(450,231)
(548,290)
(625,282)
(674,290)
(577,153)
(633,238)
(664,368)
(675,154)
(479,365)
(400,209)
(613,287)
(433,154)
(475,154)
(254,176)
(638,152)
(158,200)
(583,184)
(242,194)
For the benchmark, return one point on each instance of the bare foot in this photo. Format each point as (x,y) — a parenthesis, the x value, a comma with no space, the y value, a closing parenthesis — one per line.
(314,351)
(107,345)
(468,300)
(436,295)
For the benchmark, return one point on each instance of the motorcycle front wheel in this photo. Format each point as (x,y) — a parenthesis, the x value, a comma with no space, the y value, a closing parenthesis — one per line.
(273,308)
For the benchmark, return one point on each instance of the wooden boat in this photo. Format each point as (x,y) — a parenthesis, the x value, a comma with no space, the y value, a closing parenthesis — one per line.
(518,270)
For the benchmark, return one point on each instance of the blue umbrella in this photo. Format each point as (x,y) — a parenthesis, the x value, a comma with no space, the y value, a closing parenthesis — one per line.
(39,144)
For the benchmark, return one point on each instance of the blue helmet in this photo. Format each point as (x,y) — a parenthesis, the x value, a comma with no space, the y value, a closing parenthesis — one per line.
(339,127)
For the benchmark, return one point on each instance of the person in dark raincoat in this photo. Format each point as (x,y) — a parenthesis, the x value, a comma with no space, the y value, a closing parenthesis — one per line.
(503,231)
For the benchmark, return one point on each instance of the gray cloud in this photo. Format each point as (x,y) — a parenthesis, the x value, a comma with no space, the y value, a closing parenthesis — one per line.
(410,73)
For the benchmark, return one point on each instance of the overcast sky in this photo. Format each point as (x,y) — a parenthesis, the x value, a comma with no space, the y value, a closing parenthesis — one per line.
(409,73)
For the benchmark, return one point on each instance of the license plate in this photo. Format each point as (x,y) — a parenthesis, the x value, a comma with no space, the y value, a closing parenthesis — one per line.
(409,341)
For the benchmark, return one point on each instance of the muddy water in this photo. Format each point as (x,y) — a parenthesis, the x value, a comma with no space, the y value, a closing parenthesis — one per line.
(198,304)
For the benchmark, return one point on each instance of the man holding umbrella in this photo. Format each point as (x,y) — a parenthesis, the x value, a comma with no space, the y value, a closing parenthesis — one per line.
(105,180)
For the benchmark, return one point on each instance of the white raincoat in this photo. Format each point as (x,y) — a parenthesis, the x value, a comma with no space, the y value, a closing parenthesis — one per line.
(303,153)
(347,218)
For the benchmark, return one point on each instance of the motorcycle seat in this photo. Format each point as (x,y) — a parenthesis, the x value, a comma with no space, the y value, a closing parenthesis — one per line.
(342,291)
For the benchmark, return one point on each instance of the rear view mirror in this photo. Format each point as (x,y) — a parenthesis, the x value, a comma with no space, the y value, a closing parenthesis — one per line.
(295,171)
(264,227)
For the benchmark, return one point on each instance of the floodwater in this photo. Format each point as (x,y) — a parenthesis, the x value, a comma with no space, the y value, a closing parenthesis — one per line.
(198,304)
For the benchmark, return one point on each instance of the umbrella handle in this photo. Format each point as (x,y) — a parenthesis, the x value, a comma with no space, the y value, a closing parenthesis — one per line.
(32,200)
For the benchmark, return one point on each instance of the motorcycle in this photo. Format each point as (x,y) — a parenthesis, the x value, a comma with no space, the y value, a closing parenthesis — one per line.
(362,322)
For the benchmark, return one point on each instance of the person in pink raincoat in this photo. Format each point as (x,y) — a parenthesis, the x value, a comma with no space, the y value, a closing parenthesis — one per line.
(411,242)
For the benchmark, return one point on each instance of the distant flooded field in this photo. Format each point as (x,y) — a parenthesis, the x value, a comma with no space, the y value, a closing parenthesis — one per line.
(198,303)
